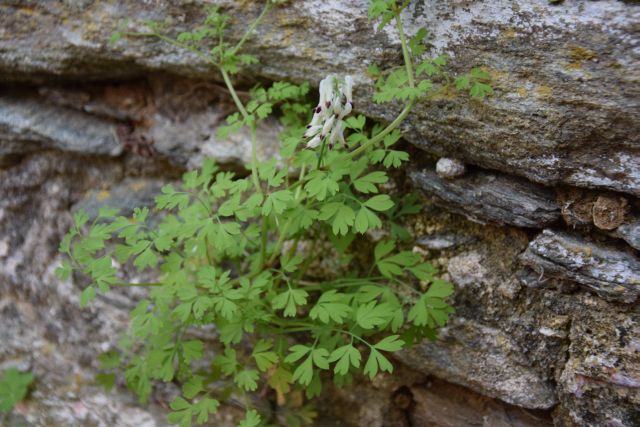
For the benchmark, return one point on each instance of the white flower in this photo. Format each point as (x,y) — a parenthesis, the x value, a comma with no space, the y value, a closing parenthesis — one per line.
(334,105)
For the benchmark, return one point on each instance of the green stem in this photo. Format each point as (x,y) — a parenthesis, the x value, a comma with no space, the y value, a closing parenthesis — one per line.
(407,109)
(324,144)
(263,241)
(254,159)
(138,284)
(251,28)
(405,49)
(234,94)
(379,137)
(252,128)
(285,229)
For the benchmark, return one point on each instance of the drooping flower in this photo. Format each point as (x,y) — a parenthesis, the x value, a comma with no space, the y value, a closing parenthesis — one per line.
(335,104)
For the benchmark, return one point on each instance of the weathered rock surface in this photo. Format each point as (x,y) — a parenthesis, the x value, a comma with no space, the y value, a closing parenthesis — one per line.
(565,74)
(442,404)
(491,197)
(127,195)
(27,125)
(630,232)
(479,357)
(611,273)
(564,112)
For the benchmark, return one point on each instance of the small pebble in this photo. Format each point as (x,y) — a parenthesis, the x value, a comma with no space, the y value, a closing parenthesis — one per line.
(450,168)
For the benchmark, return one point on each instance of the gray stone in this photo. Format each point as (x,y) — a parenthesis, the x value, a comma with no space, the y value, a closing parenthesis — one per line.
(491,197)
(27,125)
(479,357)
(445,240)
(438,403)
(566,93)
(450,168)
(630,232)
(129,194)
(602,372)
(467,269)
(613,274)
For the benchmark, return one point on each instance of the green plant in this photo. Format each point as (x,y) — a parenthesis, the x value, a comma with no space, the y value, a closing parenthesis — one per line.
(14,386)
(235,252)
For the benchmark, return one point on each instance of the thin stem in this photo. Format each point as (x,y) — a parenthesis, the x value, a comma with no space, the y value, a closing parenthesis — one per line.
(353,336)
(137,284)
(263,240)
(324,145)
(254,159)
(407,109)
(251,28)
(234,94)
(405,49)
(379,137)
(252,128)
(285,229)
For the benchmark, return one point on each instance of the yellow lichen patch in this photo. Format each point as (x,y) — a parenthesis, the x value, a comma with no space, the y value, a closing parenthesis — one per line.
(103,195)
(544,91)
(26,10)
(509,33)
(578,53)
(138,185)
(522,92)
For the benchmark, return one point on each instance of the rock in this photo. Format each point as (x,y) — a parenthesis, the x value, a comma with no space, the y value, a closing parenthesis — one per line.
(630,233)
(548,121)
(441,404)
(613,274)
(478,357)
(467,269)
(444,240)
(127,195)
(491,197)
(609,212)
(27,125)
(450,168)
(576,205)
(601,379)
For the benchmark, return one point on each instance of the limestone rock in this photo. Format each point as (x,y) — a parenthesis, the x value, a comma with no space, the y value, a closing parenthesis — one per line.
(477,356)
(27,125)
(126,195)
(602,373)
(444,240)
(446,405)
(491,197)
(613,274)
(549,121)
(630,232)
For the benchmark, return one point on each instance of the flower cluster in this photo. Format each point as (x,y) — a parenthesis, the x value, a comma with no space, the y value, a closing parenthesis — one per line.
(335,104)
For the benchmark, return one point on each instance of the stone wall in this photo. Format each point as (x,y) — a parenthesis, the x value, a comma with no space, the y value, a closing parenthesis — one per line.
(539,231)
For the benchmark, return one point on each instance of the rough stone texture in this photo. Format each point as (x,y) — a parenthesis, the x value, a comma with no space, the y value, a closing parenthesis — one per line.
(612,273)
(630,233)
(564,115)
(439,241)
(441,404)
(565,74)
(157,116)
(491,197)
(26,125)
(462,357)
